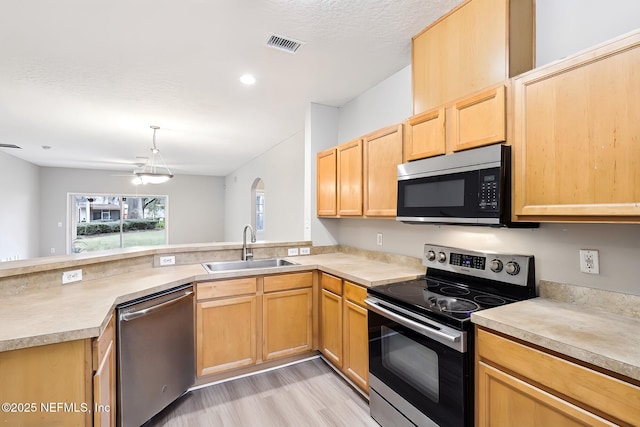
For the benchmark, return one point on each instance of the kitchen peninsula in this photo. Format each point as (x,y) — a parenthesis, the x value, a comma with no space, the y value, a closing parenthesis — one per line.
(52,345)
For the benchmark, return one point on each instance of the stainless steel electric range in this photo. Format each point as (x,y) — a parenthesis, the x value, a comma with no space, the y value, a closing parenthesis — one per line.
(421,336)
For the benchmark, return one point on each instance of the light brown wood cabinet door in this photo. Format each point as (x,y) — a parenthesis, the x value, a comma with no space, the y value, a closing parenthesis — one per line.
(350,178)
(104,379)
(287,323)
(382,155)
(356,344)
(326,183)
(45,375)
(510,383)
(331,327)
(479,120)
(104,390)
(461,54)
(577,137)
(425,135)
(225,334)
(504,400)
(479,44)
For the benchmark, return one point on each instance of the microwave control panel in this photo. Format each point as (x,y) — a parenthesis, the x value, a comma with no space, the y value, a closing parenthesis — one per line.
(489,191)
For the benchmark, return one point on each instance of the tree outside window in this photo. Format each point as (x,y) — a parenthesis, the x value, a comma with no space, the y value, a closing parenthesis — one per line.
(100,222)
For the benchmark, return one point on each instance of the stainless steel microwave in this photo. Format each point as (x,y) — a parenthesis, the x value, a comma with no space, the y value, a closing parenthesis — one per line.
(470,187)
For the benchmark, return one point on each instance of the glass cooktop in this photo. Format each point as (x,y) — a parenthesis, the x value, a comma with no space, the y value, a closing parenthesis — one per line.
(452,303)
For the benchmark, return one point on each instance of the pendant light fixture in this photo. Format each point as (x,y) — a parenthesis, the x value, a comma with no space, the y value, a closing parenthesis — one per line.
(153,173)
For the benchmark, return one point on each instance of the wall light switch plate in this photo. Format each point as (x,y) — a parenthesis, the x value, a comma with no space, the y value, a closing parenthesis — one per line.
(589,262)
(167,260)
(305,251)
(292,251)
(379,239)
(71,276)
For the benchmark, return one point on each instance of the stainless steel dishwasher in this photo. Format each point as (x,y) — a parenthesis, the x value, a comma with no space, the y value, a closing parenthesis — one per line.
(156,355)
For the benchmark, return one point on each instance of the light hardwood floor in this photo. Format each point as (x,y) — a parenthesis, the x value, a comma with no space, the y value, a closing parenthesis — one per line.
(309,393)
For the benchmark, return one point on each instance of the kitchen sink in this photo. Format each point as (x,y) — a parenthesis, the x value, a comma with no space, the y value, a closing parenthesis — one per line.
(213,267)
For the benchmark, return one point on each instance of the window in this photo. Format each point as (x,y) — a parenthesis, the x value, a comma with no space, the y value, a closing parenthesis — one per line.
(259,210)
(100,222)
(257,207)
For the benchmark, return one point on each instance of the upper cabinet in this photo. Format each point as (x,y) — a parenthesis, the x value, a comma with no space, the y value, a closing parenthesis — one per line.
(327,182)
(350,178)
(474,121)
(382,155)
(461,65)
(576,141)
(359,178)
(479,44)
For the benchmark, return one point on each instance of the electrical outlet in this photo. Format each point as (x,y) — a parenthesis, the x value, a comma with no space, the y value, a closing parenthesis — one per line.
(71,276)
(305,251)
(292,251)
(167,260)
(589,262)
(379,239)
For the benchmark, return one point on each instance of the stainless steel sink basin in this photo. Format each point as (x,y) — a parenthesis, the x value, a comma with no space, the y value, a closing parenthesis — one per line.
(213,267)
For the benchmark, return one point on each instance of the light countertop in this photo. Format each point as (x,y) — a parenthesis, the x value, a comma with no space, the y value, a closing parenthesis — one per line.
(81,310)
(604,339)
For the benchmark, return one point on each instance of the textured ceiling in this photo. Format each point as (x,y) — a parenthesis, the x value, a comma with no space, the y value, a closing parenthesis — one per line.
(88,77)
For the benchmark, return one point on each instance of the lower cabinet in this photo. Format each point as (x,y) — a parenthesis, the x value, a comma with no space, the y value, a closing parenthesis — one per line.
(331,318)
(104,378)
(355,335)
(343,328)
(71,383)
(246,321)
(521,385)
(287,315)
(225,325)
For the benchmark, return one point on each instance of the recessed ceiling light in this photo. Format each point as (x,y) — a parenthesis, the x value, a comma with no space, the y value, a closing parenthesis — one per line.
(247,79)
(46,147)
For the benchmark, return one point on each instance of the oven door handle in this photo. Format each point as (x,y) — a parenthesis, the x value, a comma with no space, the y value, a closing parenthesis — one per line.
(452,340)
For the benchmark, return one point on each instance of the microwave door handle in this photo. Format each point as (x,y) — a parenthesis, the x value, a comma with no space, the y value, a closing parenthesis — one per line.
(414,326)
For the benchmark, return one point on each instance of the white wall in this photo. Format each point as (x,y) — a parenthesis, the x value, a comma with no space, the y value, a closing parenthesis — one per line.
(321,133)
(19,217)
(195,214)
(555,246)
(282,171)
(568,26)
(387,103)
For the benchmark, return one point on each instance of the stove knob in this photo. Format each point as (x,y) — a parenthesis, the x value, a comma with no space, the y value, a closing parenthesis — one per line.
(495,265)
(512,268)
(431,256)
(442,257)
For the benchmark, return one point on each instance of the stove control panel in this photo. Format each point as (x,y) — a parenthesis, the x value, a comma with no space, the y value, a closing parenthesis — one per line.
(508,268)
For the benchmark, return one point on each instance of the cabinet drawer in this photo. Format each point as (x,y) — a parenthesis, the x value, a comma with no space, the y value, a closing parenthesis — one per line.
(288,281)
(479,120)
(593,390)
(355,293)
(226,288)
(331,283)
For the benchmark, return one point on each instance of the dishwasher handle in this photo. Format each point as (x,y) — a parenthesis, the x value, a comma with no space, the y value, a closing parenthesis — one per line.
(146,311)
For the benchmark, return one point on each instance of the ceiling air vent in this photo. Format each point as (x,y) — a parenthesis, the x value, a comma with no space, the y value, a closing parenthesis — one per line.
(284,43)
(8,146)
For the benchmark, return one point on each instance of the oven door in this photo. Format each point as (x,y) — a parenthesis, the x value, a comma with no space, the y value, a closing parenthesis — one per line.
(419,367)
